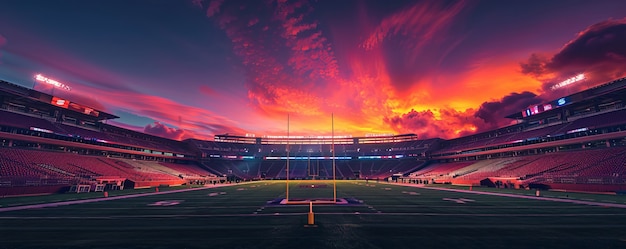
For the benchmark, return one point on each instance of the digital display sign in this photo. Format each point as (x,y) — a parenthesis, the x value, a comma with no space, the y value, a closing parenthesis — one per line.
(547,107)
(60,102)
(533,110)
(83,109)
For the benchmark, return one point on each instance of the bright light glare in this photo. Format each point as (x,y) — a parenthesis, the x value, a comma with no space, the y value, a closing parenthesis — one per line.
(49,81)
(569,81)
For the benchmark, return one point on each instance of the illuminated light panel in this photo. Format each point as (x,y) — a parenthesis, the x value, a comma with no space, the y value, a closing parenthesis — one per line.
(40,130)
(569,81)
(547,107)
(381,157)
(379,135)
(307,137)
(578,130)
(49,81)
(307,158)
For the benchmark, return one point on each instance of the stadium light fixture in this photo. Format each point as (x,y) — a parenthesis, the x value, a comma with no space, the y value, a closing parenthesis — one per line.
(52,82)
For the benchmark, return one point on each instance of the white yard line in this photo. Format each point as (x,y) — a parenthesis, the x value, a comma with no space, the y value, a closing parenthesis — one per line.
(591,203)
(65,203)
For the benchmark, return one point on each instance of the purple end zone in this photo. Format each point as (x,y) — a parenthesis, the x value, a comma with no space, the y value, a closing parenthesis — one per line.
(315,201)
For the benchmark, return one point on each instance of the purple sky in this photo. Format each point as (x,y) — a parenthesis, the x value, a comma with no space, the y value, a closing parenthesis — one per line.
(185,69)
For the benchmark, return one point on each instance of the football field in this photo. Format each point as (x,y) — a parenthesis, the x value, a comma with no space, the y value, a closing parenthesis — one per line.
(372,215)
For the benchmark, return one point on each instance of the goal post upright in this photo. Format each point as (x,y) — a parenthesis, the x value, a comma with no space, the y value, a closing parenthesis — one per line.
(332,139)
(287,170)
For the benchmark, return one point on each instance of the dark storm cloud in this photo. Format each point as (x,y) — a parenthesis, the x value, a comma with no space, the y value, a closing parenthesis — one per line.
(597,51)
(535,65)
(599,43)
(492,113)
(451,123)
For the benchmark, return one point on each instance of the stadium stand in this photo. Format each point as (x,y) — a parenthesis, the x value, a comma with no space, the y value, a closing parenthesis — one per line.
(574,142)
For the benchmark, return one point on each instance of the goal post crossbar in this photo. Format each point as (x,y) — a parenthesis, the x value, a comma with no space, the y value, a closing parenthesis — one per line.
(334,168)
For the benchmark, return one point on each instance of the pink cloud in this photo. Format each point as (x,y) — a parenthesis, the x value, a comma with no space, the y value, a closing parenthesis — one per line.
(168,112)
(279,83)
(78,71)
(420,22)
(311,54)
(305,80)
(191,121)
(161,130)
(214,7)
(207,90)
(3,41)
(292,67)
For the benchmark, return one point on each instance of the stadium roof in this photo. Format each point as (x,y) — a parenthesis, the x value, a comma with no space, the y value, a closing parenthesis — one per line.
(36,98)
(613,89)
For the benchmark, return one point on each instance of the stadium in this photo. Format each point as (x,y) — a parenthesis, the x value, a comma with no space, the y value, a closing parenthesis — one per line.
(312,124)
(557,177)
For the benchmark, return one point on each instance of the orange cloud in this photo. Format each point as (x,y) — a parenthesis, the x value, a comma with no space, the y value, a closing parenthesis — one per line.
(488,79)
(306,81)
(449,123)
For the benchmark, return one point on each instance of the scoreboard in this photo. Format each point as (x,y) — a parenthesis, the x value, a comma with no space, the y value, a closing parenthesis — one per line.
(56,101)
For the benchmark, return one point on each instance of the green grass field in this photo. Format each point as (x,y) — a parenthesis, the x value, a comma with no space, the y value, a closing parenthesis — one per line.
(384,216)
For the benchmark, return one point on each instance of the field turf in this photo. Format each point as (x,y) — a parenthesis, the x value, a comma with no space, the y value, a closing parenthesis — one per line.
(380,216)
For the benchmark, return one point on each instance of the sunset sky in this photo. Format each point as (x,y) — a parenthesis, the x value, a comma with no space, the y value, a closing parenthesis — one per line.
(194,68)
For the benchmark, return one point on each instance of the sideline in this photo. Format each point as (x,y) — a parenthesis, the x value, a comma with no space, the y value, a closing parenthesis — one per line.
(65,203)
(591,203)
